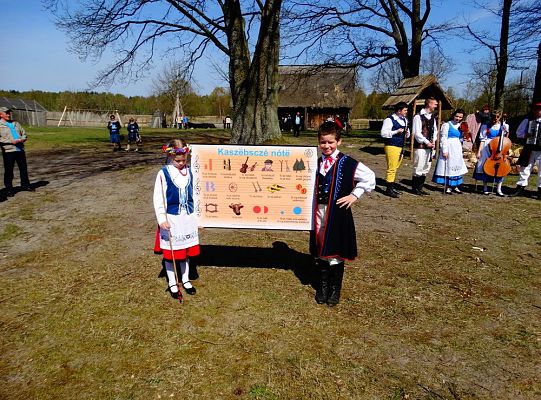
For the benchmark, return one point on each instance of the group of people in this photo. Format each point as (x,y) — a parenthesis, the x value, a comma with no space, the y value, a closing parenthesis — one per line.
(294,123)
(134,138)
(450,166)
(182,121)
(340,181)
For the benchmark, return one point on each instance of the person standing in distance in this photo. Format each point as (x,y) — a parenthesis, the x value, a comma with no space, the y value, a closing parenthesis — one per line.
(12,139)
(424,128)
(394,133)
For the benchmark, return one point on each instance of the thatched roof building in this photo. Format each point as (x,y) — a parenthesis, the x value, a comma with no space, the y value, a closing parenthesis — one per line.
(316,91)
(418,88)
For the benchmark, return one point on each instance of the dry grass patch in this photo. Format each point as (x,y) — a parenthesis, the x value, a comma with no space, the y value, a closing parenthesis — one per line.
(425,314)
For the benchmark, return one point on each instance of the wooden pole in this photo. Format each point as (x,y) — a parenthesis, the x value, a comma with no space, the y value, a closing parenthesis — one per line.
(438,132)
(62,116)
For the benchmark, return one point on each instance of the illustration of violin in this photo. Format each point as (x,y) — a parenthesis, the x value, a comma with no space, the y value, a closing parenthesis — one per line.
(253,166)
(244,167)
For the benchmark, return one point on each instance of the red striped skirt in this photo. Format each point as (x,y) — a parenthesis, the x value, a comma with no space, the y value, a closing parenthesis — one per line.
(180,254)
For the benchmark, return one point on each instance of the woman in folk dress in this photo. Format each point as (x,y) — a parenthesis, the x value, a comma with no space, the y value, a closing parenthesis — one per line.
(487,133)
(451,166)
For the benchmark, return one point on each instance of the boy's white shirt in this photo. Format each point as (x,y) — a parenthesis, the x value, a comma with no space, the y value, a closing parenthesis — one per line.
(364,176)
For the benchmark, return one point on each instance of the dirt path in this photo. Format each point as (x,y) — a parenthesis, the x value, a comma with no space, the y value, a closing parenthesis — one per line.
(443,302)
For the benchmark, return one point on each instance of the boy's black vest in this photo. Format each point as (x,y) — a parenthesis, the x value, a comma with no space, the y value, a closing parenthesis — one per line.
(427,130)
(398,139)
(339,239)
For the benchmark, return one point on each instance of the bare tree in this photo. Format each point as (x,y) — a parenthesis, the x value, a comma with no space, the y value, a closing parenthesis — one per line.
(386,77)
(537,85)
(370,32)
(514,48)
(170,83)
(436,64)
(135,31)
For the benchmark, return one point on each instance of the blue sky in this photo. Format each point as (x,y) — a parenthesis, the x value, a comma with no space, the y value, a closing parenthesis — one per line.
(35,55)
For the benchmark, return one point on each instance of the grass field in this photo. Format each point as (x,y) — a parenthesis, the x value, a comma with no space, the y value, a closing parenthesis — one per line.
(443,302)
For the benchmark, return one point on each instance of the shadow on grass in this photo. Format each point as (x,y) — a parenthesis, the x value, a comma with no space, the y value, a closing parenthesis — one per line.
(279,256)
(34,185)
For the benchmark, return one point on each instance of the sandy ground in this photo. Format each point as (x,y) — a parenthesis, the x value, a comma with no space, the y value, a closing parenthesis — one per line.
(441,272)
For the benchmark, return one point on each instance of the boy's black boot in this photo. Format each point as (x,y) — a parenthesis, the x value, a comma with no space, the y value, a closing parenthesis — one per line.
(422,180)
(322,283)
(390,190)
(415,185)
(336,277)
(519,191)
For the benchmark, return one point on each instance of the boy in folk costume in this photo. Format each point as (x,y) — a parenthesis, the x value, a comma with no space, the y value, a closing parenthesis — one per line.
(530,130)
(177,237)
(394,132)
(340,181)
(424,129)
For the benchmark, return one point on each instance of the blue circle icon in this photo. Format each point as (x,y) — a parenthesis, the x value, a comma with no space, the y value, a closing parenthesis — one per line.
(297,210)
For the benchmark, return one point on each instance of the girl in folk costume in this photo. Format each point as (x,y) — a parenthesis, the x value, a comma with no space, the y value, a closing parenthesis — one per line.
(488,132)
(340,181)
(450,165)
(177,237)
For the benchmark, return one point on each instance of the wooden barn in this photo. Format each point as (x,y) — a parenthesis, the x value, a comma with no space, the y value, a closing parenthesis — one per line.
(317,92)
(26,112)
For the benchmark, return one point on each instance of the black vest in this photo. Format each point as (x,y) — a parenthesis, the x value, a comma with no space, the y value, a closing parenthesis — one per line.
(427,130)
(398,139)
(339,239)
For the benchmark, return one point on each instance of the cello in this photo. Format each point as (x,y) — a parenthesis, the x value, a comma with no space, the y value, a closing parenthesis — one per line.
(497,164)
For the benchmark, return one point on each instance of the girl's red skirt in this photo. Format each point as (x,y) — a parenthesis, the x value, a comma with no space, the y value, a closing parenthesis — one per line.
(180,254)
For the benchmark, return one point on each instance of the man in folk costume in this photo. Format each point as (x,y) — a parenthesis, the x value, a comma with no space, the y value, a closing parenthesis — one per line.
(340,181)
(424,128)
(530,130)
(475,121)
(394,133)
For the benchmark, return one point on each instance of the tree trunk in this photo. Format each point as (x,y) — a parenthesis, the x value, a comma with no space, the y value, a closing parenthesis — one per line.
(537,85)
(501,64)
(254,85)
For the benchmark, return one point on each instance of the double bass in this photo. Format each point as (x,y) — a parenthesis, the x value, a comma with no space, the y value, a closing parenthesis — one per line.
(497,164)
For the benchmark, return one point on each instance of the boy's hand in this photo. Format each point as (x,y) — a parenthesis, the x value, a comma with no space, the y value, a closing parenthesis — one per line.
(346,201)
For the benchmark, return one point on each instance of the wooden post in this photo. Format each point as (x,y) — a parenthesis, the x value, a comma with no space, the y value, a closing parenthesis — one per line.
(438,132)
(118,116)
(62,116)
(416,103)
(69,117)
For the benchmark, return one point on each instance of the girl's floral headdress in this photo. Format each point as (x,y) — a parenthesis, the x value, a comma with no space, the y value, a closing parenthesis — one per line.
(175,150)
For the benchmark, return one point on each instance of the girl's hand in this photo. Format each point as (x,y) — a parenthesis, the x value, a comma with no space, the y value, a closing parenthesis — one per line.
(445,155)
(165,225)
(346,201)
